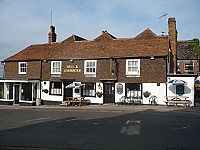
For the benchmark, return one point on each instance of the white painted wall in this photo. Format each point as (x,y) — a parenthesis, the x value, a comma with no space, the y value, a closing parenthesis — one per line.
(48,97)
(188,89)
(158,91)
(97,100)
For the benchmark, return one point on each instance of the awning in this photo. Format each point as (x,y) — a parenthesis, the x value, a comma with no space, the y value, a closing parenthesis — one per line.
(74,85)
(177,82)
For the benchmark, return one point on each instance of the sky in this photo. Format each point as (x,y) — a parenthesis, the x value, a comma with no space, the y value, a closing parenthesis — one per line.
(27,22)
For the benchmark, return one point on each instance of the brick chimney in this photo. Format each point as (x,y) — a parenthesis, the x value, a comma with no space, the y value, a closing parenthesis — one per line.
(52,35)
(172,43)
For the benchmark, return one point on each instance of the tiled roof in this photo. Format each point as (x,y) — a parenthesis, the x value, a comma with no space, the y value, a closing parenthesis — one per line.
(185,50)
(106,45)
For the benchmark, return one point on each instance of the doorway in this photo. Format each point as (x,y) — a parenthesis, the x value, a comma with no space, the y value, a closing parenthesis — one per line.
(109,93)
(16,94)
(68,92)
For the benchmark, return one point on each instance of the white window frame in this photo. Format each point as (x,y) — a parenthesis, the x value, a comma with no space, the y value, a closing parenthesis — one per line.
(58,72)
(22,72)
(93,74)
(137,73)
(187,63)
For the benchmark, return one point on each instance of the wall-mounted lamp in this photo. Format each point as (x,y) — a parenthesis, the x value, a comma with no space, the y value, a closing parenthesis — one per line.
(71,60)
(152,58)
(45,61)
(99,86)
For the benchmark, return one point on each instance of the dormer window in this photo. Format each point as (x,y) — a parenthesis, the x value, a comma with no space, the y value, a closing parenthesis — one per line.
(22,67)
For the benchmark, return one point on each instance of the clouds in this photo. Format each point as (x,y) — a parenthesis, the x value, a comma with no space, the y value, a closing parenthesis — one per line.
(26,22)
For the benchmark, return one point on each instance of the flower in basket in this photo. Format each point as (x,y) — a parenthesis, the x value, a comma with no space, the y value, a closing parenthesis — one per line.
(99,93)
(146,94)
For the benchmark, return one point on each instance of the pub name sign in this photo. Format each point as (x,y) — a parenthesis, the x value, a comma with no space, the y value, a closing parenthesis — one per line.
(72,68)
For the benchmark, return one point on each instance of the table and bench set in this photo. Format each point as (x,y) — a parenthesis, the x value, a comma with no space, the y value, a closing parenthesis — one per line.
(73,101)
(177,100)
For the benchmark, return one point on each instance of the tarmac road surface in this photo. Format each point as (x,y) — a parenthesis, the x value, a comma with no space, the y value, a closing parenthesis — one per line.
(96,127)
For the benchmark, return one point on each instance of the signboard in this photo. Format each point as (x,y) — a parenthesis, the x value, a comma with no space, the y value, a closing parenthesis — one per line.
(119,88)
(72,68)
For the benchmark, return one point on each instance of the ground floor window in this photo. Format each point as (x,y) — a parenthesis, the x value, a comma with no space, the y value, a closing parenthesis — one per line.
(133,90)
(56,88)
(1,90)
(89,89)
(9,90)
(180,90)
(26,91)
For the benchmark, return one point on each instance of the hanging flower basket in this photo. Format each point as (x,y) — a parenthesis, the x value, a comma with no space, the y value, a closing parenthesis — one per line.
(146,94)
(99,94)
(45,91)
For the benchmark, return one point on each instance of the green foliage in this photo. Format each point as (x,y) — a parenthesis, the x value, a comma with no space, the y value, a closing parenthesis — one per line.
(196,47)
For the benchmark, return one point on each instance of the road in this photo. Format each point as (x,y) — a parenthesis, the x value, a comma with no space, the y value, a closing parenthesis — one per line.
(99,127)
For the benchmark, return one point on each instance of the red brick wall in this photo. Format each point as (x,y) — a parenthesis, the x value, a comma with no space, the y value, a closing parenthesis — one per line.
(33,70)
(182,67)
(151,71)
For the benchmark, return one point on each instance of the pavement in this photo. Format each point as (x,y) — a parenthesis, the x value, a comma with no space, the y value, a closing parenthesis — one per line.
(132,108)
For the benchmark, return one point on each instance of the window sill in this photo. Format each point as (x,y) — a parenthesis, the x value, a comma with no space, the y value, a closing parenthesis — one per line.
(90,75)
(22,73)
(130,76)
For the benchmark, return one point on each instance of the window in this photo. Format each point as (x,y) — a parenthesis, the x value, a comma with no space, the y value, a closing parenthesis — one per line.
(89,89)
(56,67)
(26,91)
(55,88)
(90,68)
(180,90)
(132,67)
(133,90)
(1,90)
(22,67)
(189,66)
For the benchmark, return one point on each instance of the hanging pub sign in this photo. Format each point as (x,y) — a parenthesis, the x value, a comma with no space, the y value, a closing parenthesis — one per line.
(72,68)
(119,88)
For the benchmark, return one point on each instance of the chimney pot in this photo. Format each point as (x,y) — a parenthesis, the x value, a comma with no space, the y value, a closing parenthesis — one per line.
(103,32)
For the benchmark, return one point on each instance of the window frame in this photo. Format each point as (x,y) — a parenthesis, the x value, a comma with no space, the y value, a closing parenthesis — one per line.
(94,83)
(19,68)
(189,63)
(52,62)
(50,88)
(128,73)
(85,67)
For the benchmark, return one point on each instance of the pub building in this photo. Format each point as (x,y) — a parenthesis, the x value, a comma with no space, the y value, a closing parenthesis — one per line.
(110,69)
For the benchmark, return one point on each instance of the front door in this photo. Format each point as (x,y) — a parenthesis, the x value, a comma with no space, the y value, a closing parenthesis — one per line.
(16,94)
(109,92)
(67,92)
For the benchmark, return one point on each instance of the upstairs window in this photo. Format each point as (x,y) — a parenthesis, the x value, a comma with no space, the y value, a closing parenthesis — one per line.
(56,67)
(22,67)
(133,67)
(90,68)
(189,66)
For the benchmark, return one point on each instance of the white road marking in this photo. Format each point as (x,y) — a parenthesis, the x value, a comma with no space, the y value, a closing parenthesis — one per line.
(38,119)
(66,120)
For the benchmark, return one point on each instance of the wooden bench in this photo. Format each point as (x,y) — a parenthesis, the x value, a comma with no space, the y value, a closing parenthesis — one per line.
(73,101)
(177,100)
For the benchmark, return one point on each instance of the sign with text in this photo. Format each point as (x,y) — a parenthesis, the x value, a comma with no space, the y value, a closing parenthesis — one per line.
(72,68)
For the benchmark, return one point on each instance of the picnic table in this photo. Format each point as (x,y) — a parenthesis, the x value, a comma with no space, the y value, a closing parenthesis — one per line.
(74,101)
(177,100)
